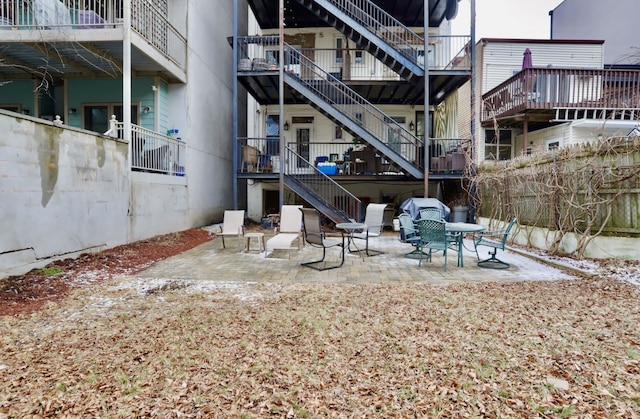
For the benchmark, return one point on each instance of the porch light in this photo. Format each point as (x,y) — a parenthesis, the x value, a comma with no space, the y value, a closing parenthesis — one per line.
(411,126)
(286,125)
(72,111)
(146,109)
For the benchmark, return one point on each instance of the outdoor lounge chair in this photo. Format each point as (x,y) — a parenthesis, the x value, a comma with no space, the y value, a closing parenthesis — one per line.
(374,220)
(495,240)
(290,230)
(232,225)
(316,237)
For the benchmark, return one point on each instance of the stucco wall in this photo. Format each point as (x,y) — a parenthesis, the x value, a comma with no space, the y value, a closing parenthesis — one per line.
(63,191)
(600,248)
(66,191)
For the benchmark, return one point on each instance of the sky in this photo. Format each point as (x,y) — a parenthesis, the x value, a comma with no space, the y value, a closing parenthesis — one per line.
(506,18)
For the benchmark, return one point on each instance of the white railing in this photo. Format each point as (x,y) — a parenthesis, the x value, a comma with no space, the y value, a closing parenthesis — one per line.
(148,19)
(152,151)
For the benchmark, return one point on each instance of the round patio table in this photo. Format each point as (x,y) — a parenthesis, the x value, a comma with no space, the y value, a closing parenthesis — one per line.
(462,229)
(351,228)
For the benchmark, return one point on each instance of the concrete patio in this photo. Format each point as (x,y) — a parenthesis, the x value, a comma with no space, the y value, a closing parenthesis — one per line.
(210,262)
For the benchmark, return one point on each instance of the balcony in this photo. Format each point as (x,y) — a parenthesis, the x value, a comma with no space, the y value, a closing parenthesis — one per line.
(151,151)
(557,94)
(259,157)
(87,36)
(449,68)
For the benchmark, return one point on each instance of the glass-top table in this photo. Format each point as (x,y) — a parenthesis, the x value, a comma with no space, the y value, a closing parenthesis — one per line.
(352,228)
(461,229)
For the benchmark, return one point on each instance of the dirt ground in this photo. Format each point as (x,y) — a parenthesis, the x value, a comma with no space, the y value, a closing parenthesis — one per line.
(79,339)
(29,292)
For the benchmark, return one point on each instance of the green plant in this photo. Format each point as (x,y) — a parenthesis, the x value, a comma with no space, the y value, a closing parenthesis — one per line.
(50,271)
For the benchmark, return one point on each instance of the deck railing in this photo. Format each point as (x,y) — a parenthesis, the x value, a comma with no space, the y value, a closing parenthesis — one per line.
(147,19)
(261,53)
(261,155)
(313,179)
(551,88)
(383,25)
(151,151)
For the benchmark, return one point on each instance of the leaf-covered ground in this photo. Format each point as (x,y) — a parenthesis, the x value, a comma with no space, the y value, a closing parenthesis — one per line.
(528,349)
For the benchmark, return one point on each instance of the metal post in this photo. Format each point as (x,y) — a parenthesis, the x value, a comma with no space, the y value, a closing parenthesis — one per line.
(281,102)
(473,191)
(234,134)
(427,127)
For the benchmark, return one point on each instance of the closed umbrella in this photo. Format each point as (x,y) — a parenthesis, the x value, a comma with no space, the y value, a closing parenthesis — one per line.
(527,62)
(529,79)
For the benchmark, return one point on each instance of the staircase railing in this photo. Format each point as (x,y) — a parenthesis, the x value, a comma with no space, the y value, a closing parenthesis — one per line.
(321,185)
(356,108)
(383,25)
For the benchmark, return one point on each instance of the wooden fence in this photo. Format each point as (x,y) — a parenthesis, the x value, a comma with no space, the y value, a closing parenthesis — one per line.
(587,189)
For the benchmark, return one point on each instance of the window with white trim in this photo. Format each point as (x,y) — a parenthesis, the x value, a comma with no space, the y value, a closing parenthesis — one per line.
(497,145)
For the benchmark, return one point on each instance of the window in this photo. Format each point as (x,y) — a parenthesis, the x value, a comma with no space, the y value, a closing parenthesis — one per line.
(497,146)
(552,144)
(96,117)
(12,108)
(420,128)
(339,52)
(273,135)
(358,57)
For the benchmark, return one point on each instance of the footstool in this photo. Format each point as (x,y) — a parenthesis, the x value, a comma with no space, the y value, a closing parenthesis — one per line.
(249,236)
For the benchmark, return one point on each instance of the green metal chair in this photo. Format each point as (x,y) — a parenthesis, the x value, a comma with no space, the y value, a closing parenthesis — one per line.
(495,240)
(433,236)
(410,234)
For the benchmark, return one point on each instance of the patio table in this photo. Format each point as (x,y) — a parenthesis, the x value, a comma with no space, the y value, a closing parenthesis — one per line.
(461,229)
(351,228)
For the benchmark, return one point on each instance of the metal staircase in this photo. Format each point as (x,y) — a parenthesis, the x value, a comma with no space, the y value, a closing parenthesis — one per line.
(320,190)
(355,114)
(376,31)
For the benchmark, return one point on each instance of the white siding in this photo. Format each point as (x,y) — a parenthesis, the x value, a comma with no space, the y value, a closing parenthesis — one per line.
(503,59)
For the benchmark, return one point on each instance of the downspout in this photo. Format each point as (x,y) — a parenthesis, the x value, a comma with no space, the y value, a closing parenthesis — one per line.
(234,127)
(126,94)
(472,164)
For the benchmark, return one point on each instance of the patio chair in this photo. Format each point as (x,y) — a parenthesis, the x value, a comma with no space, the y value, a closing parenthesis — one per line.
(232,225)
(410,234)
(496,239)
(433,236)
(374,220)
(455,239)
(316,237)
(430,214)
(290,230)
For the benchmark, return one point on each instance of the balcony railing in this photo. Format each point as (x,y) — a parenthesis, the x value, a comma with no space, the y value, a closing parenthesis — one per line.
(151,151)
(147,19)
(381,24)
(315,180)
(261,53)
(552,88)
(261,155)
